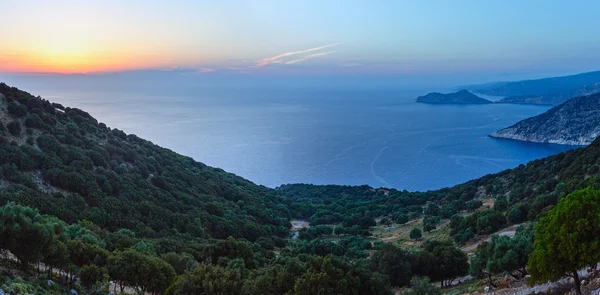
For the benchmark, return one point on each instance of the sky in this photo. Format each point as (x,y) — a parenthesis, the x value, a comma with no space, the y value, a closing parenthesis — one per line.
(308,38)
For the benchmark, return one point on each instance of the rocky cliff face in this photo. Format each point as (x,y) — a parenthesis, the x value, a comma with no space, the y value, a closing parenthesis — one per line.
(575,122)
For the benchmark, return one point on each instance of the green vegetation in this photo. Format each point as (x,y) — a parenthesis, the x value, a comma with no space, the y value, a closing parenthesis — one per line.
(98,205)
(415,234)
(567,239)
(503,254)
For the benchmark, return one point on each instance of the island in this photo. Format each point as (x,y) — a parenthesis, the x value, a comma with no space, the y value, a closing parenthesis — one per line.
(459,97)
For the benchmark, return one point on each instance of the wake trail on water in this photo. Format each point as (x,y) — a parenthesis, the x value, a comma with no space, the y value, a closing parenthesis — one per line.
(373,169)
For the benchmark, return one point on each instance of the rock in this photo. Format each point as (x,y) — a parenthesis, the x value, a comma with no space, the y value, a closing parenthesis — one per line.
(594,292)
(2,292)
(51,283)
(575,122)
(73,292)
(584,282)
(486,289)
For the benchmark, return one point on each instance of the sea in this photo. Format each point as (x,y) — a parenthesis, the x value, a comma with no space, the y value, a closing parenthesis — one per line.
(273,136)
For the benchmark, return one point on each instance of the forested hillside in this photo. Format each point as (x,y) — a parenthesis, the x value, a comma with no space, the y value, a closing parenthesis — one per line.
(96,205)
(67,164)
(519,194)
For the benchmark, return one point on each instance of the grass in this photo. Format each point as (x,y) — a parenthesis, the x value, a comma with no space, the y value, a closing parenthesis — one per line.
(400,233)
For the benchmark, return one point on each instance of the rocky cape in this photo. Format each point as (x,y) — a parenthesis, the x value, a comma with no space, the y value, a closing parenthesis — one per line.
(547,91)
(459,97)
(575,122)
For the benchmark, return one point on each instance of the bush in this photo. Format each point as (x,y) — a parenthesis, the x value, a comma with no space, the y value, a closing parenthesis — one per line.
(91,274)
(17,110)
(415,234)
(14,128)
(422,286)
(402,218)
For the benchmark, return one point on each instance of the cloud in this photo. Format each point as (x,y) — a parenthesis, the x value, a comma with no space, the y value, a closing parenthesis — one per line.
(291,62)
(206,70)
(279,59)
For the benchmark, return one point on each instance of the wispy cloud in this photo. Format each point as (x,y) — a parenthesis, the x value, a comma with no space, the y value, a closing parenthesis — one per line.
(291,62)
(206,70)
(280,59)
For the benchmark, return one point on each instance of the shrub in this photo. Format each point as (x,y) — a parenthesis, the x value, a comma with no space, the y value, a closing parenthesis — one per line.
(14,128)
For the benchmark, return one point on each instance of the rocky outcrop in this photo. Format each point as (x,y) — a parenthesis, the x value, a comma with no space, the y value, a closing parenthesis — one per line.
(575,122)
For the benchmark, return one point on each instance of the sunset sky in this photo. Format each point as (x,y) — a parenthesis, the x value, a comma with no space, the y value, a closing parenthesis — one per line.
(246,37)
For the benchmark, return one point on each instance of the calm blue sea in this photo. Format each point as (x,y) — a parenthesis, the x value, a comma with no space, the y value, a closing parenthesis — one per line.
(379,137)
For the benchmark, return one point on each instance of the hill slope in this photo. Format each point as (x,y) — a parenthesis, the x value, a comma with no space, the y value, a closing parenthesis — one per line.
(575,122)
(538,86)
(459,97)
(552,98)
(140,213)
(520,194)
(64,162)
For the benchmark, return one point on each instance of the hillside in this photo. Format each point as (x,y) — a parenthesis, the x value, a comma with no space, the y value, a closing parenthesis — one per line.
(575,122)
(64,162)
(80,198)
(538,86)
(519,194)
(94,203)
(459,97)
(552,98)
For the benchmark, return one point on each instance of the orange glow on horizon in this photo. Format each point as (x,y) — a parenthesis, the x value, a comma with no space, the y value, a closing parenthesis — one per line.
(66,62)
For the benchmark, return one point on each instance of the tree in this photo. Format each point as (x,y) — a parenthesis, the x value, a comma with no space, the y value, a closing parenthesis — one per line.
(500,204)
(430,223)
(422,286)
(25,233)
(567,239)
(132,268)
(415,234)
(401,218)
(331,275)
(207,279)
(449,262)
(81,253)
(517,213)
(16,109)
(180,262)
(432,209)
(14,127)
(473,205)
(90,274)
(392,262)
(56,256)
(503,254)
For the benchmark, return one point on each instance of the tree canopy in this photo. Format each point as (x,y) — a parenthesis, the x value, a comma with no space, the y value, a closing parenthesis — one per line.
(567,239)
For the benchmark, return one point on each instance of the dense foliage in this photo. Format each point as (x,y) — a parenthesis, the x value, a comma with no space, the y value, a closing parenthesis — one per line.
(520,194)
(102,205)
(78,169)
(503,254)
(567,240)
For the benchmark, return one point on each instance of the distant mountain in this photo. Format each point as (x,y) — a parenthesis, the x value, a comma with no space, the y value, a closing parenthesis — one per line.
(460,97)
(553,98)
(575,122)
(548,91)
